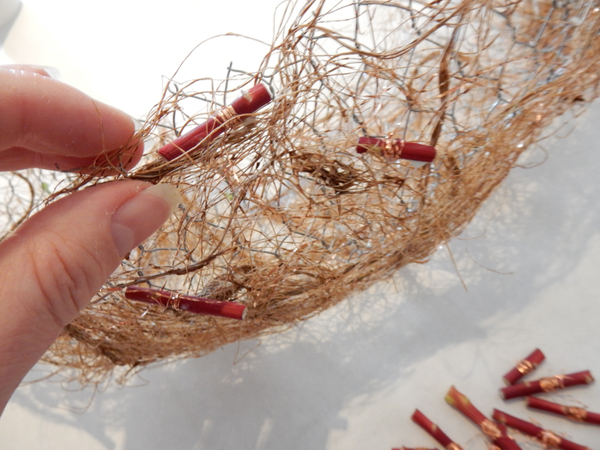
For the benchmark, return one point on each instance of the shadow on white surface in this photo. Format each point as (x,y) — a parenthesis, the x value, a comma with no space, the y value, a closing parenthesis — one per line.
(9,10)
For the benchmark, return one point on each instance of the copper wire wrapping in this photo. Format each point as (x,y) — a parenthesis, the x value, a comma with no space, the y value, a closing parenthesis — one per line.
(392,148)
(524,366)
(575,413)
(453,446)
(228,117)
(549,438)
(490,429)
(552,383)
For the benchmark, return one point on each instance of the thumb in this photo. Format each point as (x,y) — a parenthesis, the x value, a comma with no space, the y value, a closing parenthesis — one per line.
(57,260)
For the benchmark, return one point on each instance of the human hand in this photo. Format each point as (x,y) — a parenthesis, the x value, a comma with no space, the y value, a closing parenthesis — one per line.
(54,263)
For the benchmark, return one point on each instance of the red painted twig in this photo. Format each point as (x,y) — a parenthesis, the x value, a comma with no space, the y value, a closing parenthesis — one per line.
(546,384)
(226,118)
(434,431)
(494,432)
(396,149)
(571,412)
(523,367)
(196,305)
(413,448)
(546,437)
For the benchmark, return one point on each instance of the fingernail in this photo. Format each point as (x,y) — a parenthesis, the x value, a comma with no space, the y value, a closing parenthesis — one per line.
(138,124)
(142,215)
(52,72)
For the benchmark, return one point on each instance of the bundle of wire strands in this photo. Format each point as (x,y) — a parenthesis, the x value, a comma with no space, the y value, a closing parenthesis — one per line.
(294,204)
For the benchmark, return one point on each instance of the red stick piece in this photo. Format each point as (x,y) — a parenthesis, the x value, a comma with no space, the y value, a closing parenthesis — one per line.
(196,305)
(524,367)
(571,412)
(434,431)
(413,448)
(546,437)
(546,384)
(494,432)
(396,149)
(226,118)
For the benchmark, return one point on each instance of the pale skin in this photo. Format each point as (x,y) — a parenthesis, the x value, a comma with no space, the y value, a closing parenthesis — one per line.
(55,262)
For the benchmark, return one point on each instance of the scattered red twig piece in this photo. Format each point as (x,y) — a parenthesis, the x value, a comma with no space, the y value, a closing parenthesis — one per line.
(546,384)
(571,412)
(396,149)
(434,431)
(546,437)
(196,305)
(494,432)
(226,118)
(523,367)
(413,448)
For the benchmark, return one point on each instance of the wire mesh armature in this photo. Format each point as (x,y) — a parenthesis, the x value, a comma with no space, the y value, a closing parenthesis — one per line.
(281,213)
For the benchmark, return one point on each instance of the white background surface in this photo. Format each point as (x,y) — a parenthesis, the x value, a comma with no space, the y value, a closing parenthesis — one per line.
(351,378)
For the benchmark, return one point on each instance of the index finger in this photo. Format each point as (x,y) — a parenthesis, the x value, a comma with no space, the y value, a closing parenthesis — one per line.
(43,120)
